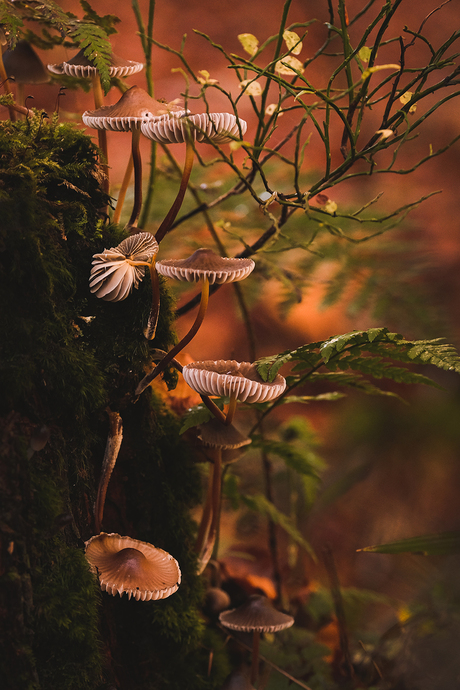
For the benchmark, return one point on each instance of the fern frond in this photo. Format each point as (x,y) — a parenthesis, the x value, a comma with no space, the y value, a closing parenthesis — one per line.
(360,354)
(92,39)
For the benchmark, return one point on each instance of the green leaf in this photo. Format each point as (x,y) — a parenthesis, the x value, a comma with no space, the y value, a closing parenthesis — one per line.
(426,545)
(260,504)
(93,40)
(268,367)
(195,416)
(294,458)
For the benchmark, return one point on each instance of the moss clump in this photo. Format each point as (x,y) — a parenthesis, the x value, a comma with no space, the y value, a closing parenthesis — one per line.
(67,358)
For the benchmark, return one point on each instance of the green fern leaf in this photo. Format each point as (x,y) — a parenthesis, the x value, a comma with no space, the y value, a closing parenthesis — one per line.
(260,504)
(297,459)
(96,46)
(427,545)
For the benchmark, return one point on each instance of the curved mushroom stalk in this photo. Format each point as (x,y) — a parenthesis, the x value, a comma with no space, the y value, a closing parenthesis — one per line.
(202,266)
(112,449)
(218,127)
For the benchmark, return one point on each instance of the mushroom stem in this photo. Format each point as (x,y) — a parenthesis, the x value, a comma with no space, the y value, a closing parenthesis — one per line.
(123,189)
(155,309)
(212,407)
(112,449)
(206,549)
(101,134)
(206,516)
(255,656)
(231,409)
(161,366)
(174,210)
(137,162)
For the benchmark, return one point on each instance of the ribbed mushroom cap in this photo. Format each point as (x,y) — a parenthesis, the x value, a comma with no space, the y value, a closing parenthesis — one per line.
(204,263)
(230,378)
(135,567)
(218,435)
(133,107)
(81,66)
(113,276)
(256,614)
(24,65)
(220,127)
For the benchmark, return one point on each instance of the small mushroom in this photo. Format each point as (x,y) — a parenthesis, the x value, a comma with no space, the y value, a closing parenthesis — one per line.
(117,270)
(81,66)
(256,615)
(203,266)
(25,66)
(127,115)
(218,127)
(136,567)
(218,437)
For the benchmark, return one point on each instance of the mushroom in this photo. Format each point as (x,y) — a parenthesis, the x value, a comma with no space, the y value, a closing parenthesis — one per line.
(136,567)
(217,127)
(236,380)
(25,66)
(203,266)
(81,66)
(134,107)
(117,270)
(218,437)
(256,615)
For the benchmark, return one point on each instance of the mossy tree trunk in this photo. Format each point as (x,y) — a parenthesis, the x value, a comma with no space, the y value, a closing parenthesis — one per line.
(66,359)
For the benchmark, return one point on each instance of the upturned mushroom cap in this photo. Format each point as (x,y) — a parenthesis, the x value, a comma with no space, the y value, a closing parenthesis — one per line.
(204,263)
(113,276)
(219,127)
(256,614)
(133,107)
(135,567)
(81,66)
(24,65)
(215,434)
(230,378)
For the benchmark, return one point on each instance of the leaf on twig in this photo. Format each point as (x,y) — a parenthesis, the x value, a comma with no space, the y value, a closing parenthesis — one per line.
(293,42)
(249,42)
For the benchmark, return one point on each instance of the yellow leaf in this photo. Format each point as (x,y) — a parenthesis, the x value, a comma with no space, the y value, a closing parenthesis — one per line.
(405,98)
(330,206)
(249,42)
(364,54)
(235,145)
(204,79)
(251,88)
(377,68)
(295,65)
(293,42)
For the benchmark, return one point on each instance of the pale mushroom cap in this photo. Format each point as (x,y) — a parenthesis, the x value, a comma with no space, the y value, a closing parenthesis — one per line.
(204,263)
(81,66)
(219,127)
(133,107)
(128,565)
(216,434)
(24,65)
(230,378)
(112,276)
(256,614)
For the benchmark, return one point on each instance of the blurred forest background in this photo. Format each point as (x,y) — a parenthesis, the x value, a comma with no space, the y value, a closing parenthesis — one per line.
(389,470)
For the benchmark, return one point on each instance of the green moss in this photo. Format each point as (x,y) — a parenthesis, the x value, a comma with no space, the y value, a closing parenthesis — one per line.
(63,370)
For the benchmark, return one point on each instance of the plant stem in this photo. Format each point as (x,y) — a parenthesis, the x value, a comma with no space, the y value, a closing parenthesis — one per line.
(101,133)
(155,309)
(112,449)
(123,189)
(255,656)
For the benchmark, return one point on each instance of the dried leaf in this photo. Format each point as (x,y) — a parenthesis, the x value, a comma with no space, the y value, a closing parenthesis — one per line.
(249,42)
(251,88)
(289,65)
(293,42)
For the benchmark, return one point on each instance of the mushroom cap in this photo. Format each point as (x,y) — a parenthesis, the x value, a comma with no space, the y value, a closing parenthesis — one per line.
(256,613)
(132,566)
(133,107)
(204,263)
(112,275)
(24,65)
(81,66)
(229,378)
(221,128)
(216,434)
